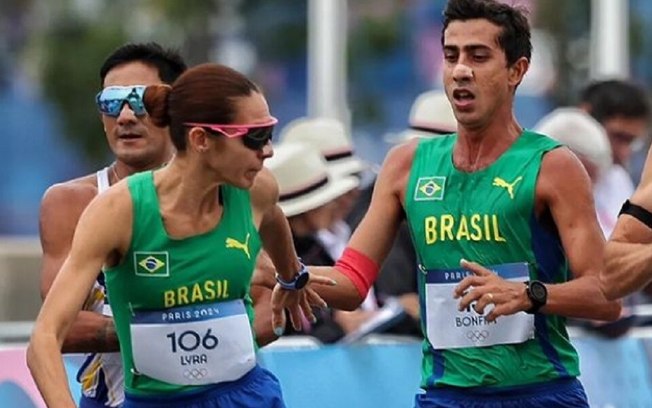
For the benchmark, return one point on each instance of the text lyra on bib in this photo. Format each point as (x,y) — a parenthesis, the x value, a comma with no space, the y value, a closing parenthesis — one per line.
(448,328)
(193,345)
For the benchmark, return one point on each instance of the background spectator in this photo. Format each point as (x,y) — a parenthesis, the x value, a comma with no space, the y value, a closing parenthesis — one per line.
(622,108)
(308,191)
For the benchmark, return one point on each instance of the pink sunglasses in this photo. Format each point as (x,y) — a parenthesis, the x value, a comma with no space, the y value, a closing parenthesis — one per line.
(254,136)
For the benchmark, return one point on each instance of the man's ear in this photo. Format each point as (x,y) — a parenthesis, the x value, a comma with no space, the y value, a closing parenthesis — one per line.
(517,71)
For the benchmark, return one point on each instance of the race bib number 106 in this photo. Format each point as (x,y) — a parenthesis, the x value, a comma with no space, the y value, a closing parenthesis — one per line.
(193,345)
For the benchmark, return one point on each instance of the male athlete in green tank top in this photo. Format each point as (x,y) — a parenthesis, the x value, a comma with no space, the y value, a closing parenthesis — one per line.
(486,216)
(504,226)
(181,283)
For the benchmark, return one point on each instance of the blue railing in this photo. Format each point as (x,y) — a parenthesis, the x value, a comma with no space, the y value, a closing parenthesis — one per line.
(383,373)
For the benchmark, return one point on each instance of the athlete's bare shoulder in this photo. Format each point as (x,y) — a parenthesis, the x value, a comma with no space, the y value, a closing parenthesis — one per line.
(264,192)
(63,203)
(395,171)
(563,183)
(61,207)
(71,194)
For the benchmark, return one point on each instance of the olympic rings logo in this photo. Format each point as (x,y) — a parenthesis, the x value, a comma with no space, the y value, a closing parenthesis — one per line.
(195,373)
(477,336)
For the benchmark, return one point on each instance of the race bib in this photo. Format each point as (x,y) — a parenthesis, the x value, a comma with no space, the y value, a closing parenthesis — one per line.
(448,328)
(193,345)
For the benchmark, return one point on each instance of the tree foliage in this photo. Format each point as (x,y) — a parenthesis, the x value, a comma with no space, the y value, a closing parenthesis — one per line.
(74,47)
(74,53)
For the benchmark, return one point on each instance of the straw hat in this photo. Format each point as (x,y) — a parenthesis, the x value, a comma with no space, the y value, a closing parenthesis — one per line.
(432,110)
(304,180)
(431,115)
(330,138)
(580,132)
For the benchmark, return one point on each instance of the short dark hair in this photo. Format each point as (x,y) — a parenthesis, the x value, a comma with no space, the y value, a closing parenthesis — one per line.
(167,61)
(515,36)
(610,98)
(205,93)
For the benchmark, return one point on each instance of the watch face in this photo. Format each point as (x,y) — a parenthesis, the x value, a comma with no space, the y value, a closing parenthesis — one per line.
(538,290)
(302,280)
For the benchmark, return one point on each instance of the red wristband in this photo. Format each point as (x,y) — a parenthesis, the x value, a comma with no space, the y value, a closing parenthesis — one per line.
(359,268)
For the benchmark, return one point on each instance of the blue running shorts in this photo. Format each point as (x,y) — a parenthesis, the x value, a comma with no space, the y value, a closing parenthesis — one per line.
(85,402)
(257,388)
(562,393)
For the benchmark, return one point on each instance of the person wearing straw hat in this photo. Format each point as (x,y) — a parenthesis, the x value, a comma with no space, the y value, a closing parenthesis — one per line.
(331,138)
(308,191)
(431,115)
(589,141)
(305,181)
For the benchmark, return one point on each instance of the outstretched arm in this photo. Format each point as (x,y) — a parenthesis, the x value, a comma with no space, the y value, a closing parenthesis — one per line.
(61,208)
(104,227)
(275,233)
(374,236)
(628,256)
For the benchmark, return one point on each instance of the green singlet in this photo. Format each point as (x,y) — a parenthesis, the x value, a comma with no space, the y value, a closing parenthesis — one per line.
(487,216)
(182,307)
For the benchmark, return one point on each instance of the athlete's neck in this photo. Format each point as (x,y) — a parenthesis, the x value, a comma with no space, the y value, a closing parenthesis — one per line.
(478,148)
(189,188)
(120,169)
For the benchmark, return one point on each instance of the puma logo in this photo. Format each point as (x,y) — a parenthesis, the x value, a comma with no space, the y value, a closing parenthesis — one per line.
(499,182)
(244,247)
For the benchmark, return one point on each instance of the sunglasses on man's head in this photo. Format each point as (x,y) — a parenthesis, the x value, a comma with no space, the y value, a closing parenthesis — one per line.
(254,136)
(112,98)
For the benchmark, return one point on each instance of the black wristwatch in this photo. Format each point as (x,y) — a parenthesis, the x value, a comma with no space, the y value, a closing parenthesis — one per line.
(538,295)
(299,282)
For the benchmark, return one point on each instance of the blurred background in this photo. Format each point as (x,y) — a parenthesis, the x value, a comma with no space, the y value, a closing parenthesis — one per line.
(361,61)
(50,53)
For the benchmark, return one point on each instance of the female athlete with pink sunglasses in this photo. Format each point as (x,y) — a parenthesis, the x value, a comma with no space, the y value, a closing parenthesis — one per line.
(178,246)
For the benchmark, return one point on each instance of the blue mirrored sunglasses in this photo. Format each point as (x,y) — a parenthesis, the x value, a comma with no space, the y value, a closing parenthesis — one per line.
(112,98)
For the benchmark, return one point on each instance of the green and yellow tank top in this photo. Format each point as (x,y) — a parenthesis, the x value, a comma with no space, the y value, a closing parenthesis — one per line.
(488,217)
(182,307)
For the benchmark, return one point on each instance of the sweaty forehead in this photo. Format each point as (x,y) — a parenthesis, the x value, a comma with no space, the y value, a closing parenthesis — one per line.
(471,33)
(132,73)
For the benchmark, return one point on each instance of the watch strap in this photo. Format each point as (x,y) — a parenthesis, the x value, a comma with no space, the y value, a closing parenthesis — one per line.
(298,282)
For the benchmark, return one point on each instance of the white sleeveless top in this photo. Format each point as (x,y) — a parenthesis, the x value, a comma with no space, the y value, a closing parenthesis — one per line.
(101,376)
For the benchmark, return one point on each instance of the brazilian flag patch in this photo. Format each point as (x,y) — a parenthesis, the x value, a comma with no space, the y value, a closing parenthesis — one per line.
(430,188)
(152,264)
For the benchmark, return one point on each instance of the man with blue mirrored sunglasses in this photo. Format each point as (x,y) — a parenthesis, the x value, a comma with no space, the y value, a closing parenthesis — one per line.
(137,145)
(112,99)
